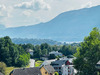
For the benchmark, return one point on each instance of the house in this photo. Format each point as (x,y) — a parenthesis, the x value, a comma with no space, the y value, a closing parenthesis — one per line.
(44,57)
(67,69)
(30,51)
(56,53)
(98,65)
(63,67)
(47,70)
(26,71)
(1,73)
(47,62)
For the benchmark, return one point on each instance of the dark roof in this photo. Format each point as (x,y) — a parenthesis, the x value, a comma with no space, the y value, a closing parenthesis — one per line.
(59,62)
(1,73)
(49,68)
(26,71)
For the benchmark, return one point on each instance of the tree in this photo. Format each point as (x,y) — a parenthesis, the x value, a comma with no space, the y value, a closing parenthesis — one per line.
(52,56)
(68,50)
(44,51)
(2,67)
(10,52)
(23,60)
(88,54)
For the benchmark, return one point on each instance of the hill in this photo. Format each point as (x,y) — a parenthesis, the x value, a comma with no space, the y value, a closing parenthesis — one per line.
(71,26)
(35,41)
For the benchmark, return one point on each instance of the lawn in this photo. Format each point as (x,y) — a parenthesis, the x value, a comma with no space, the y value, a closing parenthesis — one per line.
(9,69)
(38,63)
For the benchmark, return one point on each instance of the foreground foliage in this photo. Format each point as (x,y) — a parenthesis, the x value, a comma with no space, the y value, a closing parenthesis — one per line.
(10,53)
(88,54)
(2,67)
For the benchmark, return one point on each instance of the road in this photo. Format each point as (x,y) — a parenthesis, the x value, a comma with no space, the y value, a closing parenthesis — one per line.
(32,63)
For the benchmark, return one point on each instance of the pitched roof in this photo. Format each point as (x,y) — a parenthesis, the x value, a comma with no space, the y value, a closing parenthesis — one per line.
(26,71)
(59,62)
(49,68)
(98,63)
(1,73)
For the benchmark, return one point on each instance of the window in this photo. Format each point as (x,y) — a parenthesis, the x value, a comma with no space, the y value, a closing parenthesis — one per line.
(59,71)
(50,74)
(45,72)
(55,67)
(59,67)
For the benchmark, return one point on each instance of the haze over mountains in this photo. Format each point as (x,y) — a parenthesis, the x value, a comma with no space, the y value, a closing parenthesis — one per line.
(71,26)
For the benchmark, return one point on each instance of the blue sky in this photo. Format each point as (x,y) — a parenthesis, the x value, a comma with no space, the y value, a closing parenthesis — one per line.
(14,13)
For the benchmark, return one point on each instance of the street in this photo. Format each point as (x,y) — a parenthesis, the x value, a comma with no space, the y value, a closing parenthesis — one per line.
(32,62)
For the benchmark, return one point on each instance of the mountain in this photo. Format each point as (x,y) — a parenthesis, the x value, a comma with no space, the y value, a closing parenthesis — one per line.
(69,26)
(2,27)
(35,41)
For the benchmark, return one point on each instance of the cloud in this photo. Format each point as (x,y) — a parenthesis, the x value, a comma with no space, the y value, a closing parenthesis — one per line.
(3,12)
(2,7)
(87,5)
(33,5)
(27,13)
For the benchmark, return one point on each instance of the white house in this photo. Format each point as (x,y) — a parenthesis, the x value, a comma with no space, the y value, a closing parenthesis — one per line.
(56,53)
(30,51)
(63,67)
(67,70)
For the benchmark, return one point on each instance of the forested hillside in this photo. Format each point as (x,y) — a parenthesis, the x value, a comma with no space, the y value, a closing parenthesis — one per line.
(35,41)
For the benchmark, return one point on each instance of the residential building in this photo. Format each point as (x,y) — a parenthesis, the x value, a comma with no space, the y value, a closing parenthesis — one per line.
(44,57)
(26,71)
(98,67)
(67,70)
(47,70)
(56,53)
(63,67)
(47,62)
(30,51)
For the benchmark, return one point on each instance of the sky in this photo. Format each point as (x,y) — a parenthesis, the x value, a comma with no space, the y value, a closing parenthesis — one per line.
(15,13)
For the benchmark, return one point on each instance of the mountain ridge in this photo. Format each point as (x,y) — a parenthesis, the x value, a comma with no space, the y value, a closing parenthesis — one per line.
(68,26)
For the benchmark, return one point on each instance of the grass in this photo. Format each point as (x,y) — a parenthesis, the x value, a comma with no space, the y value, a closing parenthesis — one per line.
(9,69)
(98,73)
(38,63)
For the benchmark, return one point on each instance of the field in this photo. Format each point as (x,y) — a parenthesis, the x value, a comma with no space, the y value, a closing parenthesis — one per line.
(38,63)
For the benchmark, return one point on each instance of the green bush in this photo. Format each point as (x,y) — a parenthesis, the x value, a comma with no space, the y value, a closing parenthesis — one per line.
(2,67)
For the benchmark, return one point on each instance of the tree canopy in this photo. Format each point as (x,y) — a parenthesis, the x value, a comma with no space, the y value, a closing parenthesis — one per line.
(88,54)
(10,52)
